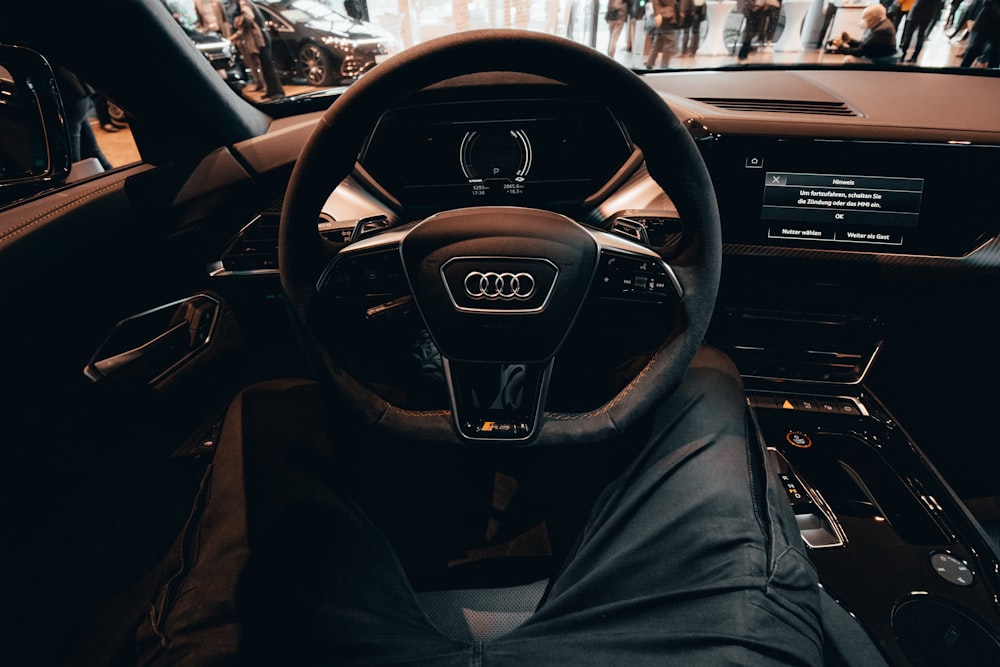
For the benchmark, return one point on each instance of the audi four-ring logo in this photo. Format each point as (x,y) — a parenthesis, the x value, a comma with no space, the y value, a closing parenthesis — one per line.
(492,285)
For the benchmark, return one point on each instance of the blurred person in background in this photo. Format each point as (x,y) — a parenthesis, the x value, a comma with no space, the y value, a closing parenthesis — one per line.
(661,22)
(770,13)
(78,102)
(921,17)
(692,14)
(985,39)
(898,11)
(211,17)
(616,16)
(877,44)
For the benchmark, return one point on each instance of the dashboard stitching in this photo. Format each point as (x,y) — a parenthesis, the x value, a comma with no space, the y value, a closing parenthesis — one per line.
(22,227)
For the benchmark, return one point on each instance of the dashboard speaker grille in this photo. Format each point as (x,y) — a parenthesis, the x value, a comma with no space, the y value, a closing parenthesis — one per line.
(832,108)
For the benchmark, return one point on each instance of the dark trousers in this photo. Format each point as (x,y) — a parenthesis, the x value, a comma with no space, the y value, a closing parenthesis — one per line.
(691,37)
(919,28)
(663,46)
(82,141)
(688,551)
(272,82)
(751,28)
(983,42)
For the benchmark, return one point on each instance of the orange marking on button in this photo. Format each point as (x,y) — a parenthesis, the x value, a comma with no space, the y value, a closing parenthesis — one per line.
(798,439)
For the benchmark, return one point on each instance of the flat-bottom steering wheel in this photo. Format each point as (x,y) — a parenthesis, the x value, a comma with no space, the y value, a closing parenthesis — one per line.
(501,287)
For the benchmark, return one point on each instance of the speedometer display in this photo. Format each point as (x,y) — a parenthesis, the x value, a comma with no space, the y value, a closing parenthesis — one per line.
(525,152)
(504,156)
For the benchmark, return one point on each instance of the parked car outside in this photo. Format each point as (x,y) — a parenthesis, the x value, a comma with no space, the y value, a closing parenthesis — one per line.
(220,53)
(313,41)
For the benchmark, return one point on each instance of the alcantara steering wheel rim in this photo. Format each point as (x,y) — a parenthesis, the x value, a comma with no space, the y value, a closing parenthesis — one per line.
(671,158)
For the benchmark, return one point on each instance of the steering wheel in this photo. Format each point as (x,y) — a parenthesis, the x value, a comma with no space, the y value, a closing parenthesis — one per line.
(499,288)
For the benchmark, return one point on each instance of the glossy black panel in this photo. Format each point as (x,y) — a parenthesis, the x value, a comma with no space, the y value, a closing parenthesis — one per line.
(900,521)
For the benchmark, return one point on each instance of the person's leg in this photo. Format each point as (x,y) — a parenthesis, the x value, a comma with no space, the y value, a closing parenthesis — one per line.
(921,35)
(103,115)
(750,28)
(654,49)
(691,556)
(772,23)
(277,565)
(993,58)
(76,118)
(744,41)
(616,30)
(952,8)
(89,146)
(904,42)
(253,64)
(691,553)
(193,612)
(767,25)
(669,47)
(977,45)
(272,82)
(695,38)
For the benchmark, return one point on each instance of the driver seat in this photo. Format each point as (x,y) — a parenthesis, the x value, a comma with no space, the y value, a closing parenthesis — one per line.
(481,614)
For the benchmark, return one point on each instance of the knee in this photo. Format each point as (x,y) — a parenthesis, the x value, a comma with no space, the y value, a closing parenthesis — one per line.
(709,402)
(712,373)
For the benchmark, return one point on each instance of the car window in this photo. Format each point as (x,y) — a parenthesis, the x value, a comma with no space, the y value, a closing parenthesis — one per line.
(697,34)
(319,46)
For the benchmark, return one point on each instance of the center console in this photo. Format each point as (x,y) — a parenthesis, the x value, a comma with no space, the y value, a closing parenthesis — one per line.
(893,545)
(827,242)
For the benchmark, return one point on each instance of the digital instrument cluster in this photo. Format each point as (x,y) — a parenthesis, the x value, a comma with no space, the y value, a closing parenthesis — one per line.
(512,152)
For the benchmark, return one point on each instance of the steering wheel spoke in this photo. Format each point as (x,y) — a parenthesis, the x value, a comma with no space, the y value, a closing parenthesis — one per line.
(369,268)
(497,402)
(632,272)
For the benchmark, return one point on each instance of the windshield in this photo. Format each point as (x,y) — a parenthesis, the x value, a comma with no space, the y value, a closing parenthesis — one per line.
(318,44)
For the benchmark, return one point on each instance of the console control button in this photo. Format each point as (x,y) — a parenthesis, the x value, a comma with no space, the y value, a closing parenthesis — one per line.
(798,439)
(849,408)
(808,404)
(634,278)
(763,401)
(952,569)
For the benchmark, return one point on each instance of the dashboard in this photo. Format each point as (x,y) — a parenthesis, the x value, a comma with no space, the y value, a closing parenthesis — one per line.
(823,180)
(800,162)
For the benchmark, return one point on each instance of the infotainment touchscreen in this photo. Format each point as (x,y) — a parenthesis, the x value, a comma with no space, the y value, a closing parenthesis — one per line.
(840,207)
(854,195)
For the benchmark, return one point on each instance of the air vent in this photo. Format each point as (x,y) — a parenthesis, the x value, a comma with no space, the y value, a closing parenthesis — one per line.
(255,249)
(833,108)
